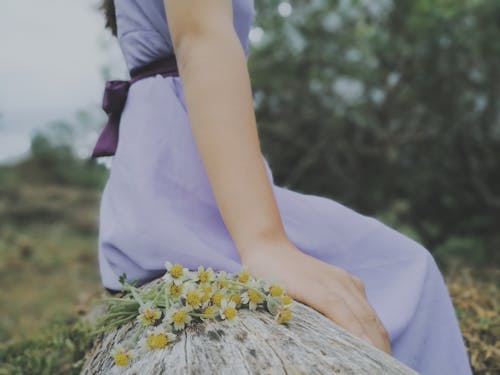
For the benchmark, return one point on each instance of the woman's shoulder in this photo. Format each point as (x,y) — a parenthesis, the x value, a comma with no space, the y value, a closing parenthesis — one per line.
(144,36)
(143,32)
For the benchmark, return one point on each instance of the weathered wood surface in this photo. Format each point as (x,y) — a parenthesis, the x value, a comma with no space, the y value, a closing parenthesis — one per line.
(252,344)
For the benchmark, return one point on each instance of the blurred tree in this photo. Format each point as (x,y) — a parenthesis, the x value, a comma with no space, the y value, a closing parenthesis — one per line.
(53,162)
(389,107)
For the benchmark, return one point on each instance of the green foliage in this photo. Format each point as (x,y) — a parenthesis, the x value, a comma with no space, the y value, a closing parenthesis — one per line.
(56,163)
(457,246)
(56,350)
(48,272)
(374,103)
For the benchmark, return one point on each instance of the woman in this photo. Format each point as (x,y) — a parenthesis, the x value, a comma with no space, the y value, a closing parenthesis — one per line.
(189,184)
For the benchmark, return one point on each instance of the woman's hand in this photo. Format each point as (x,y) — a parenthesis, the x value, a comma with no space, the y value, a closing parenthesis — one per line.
(331,290)
(225,131)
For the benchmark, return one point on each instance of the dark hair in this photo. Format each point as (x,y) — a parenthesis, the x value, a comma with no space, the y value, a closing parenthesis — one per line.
(108,8)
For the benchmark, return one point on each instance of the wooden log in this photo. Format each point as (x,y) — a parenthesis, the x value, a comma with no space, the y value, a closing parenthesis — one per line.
(253,343)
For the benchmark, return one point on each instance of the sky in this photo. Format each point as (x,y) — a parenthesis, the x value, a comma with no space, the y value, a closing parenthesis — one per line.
(51,57)
(52,54)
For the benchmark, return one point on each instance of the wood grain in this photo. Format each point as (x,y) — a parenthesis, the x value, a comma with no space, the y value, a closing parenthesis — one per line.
(253,343)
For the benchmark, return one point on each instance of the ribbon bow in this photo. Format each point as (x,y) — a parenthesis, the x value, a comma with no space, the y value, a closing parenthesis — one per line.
(115,97)
(113,102)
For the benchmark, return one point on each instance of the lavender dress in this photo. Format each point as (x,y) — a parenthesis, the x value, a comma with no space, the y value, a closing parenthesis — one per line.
(158,205)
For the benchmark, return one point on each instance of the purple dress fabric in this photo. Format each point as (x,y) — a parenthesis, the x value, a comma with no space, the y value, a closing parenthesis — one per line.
(158,205)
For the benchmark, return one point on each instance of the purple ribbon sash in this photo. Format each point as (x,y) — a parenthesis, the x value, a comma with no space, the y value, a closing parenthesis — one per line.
(115,97)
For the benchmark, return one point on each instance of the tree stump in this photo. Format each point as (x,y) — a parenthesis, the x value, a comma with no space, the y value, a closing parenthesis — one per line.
(253,343)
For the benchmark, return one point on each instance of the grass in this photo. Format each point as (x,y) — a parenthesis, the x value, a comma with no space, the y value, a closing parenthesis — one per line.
(58,348)
(49,276)
(43,281)
(476,297)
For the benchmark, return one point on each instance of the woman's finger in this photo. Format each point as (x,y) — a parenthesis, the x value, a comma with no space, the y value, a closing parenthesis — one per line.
(367,315)
(366,318)
(337,303)
(358,283)
(385,336)
(334,307)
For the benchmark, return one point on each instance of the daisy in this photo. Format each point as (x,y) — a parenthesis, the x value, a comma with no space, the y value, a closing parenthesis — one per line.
(173,289)
(148,314)
(204,275)
(218,296)
(206,293)
(254,283)
(175,272)
(221,278)
(179,317)
(286,299)
(121,355)
(228,309)
(157,338)
(192,294)
(236,298)
(283,316)
(274,290)
(253,297)
(243,276)
(209,310)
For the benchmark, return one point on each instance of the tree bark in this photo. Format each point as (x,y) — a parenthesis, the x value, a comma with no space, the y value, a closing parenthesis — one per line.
(253,343)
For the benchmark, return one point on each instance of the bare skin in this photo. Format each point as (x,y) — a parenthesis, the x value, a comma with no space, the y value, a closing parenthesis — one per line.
(211,60)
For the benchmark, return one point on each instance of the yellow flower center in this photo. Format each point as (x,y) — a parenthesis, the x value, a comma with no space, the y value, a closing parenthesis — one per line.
(222,283)
(206,292)
(236,298)
(176,270)
(209,310)
(286,300)
(175,290)
(193,298)
(275,290)
(229,312)
(121,359)
(179,317)
(243,276)
(150,316)
(284,316)
(203,276)
(157,341)
(217,298)
(207,288)
(254,296)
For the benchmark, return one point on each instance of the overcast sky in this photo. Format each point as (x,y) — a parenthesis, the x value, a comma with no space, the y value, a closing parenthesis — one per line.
(51,57)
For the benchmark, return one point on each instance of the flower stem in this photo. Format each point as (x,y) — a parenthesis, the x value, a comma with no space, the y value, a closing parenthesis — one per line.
(136,334)
(110,326)
(248,287)
(200,315)
(167,302)
(136,296)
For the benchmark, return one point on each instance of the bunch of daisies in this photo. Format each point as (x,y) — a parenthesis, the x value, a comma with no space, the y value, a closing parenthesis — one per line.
(182,297)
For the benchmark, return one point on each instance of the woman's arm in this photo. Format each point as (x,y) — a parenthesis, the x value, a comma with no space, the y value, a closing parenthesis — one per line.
(217,90)
(216,85)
